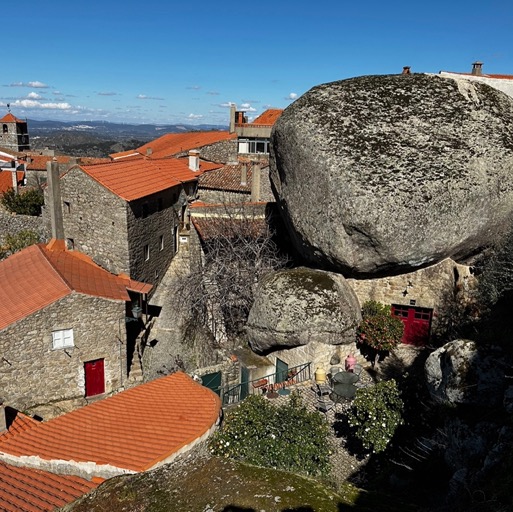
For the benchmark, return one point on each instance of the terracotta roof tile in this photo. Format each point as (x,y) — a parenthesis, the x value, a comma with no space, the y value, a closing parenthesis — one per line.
(37,276)
(227,178)
(9,118)
(38,162)
(32,490)
(6,180)
(133,430)
(134,179)
(171,144)
(269,117)
(16,422)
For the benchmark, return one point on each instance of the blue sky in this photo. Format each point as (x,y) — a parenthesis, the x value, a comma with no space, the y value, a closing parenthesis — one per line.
(161,61)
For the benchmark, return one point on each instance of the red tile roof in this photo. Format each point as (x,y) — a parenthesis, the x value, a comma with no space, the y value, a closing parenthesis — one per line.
(16,422)
(6,180)
(134,430)
(171,144)
(484,75)
(134,179)
(38,162)
(227,178)
(9,118)
(39,275)
(32,490)
(269,117)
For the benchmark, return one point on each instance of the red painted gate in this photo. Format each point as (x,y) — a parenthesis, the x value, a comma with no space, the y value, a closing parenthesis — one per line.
(417,323)
(94,377)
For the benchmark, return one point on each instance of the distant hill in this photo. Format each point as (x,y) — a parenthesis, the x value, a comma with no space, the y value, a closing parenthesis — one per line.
(100,138)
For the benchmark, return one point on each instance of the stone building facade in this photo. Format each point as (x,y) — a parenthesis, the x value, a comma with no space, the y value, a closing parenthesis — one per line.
(39,379)
(138,237)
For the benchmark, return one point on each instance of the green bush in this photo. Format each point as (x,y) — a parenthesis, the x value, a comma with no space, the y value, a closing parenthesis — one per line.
(375,414)
(287,437)
(17,242)
(379,329)
(28,202)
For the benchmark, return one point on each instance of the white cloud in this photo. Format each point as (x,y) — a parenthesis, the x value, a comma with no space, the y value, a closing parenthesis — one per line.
(33,96)
(247,107)
(291,96)
(144,97)
(33,85)
(227,104)
(194,87)
(37,104)
(107,93)
(195,116)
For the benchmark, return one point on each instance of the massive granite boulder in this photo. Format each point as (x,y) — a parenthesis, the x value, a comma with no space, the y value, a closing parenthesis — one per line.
(299,306)
(461,372)
(384,174)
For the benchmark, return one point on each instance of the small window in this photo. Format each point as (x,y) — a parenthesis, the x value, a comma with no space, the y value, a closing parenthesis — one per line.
(67,206)
(5,129)
(62,338)
(161,242)
(70,244)
(146,252)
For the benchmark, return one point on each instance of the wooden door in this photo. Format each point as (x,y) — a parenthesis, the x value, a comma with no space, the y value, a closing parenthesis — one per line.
(417,323)
(94,377)
(212,381)
(282,369)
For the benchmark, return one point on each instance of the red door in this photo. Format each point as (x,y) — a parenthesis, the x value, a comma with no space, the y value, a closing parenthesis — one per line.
(417,323)
(94,377)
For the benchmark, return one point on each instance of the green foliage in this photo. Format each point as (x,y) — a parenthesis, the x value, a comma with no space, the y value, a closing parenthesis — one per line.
(378,328)
(17,242)
(287,437)
(28,202)
(375,414)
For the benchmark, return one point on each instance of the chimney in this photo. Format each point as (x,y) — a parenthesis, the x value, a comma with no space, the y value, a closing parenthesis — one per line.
(232,118)
(194,160)
(149,151)
(3,419)
(244,174)
(14,180)
(477,68)
(54,197)
(406,70)
(255,182)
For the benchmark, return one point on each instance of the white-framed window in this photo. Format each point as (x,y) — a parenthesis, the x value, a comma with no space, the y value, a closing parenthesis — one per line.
(146,252)
(62,338)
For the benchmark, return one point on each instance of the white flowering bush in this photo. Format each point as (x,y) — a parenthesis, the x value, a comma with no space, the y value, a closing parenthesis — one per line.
(285,437)
(375,414)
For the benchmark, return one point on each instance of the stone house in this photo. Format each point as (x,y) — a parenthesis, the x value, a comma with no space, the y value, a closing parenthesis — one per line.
(63,336)
(127,215)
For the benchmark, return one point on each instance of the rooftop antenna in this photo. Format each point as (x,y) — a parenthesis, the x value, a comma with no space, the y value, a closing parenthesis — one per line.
(9,108)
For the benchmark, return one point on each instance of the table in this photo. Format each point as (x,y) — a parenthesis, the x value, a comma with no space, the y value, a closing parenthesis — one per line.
(284,392)
(344,386)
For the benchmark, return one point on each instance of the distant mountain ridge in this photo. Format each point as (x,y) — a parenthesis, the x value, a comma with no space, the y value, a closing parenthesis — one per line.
(106,129)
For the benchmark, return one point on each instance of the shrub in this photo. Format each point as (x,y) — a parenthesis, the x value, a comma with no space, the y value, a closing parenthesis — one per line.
(17,242)
(379,329)
(375,414)
(287,437)
(28,202)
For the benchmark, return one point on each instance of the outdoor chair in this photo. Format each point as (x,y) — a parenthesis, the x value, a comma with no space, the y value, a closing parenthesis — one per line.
(325,405)
(357,369)
(323,390)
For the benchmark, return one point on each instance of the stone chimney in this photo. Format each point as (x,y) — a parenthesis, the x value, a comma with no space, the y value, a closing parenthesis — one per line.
(3,419)
(149,151)
(255,182)
(244,174)
(54,199)
(477,68)
(406,70)
(194,160)
(232,118)
(14,176)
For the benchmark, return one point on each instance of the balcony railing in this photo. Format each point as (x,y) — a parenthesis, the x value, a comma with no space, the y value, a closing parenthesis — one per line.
(234,394)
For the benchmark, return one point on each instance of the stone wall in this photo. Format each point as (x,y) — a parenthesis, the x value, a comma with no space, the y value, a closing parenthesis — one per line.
(10,223)
(430,287)
(38,379)
(149,219)
(220,152)
(95,219)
